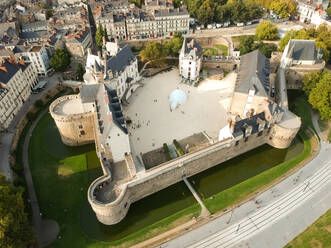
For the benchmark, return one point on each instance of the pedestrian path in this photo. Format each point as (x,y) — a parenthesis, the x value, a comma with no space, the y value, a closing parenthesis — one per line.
(204,210)
(269,214)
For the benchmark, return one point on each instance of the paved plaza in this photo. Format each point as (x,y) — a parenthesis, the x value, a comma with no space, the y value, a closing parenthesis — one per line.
(153,123)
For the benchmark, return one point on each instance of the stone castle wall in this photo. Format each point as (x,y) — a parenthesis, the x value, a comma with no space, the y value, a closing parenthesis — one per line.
(75,129)
(281,137)
(173,171)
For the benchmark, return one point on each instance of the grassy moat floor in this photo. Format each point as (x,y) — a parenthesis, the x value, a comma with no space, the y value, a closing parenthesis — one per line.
(63,174)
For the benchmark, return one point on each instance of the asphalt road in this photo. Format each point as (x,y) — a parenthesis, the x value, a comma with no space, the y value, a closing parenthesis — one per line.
(273,218)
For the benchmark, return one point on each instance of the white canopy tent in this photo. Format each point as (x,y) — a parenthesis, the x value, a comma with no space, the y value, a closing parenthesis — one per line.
(177,97)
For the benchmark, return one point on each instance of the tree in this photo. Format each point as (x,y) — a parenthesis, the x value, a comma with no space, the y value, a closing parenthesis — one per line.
(310,81)
(60,60)
(246,44)
(99,36)
(15,230)
(328,12)
(49,13)
(193,6)
(283,8)
(152,51)
(265,49)
(223,13)
(39,104)
(320,96)
(266,31)
(239,11)
(206,12)
(80,72)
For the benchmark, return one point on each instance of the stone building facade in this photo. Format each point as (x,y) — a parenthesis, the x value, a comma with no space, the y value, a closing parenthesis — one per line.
(16,80)
(263,121)
(190,60)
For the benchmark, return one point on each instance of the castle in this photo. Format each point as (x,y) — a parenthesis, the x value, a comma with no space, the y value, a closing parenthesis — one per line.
(100,114)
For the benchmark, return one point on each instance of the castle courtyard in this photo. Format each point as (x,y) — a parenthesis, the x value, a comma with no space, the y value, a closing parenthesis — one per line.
(153,122)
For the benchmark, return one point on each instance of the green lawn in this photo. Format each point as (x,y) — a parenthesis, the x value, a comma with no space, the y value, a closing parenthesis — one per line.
(240,191)
(298,104)
(208,51)
(62,176)
(316,235)
(224,49)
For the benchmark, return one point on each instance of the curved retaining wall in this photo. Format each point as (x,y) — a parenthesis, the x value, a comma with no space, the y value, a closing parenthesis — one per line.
(281,137)
(166,174)
(75,129)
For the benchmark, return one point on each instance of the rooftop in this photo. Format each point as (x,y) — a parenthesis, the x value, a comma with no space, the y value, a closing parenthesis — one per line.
(302,50)
(35,49)
(253,74)
(69,107)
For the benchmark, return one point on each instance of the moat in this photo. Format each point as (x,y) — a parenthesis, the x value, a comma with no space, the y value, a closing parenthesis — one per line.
(57,177)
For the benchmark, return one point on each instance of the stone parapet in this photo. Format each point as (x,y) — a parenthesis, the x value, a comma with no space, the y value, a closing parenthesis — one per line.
(75,129)
(113,211)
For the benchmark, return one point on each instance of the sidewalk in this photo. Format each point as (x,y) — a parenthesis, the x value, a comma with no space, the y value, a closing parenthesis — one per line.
(6,138)
(273,218)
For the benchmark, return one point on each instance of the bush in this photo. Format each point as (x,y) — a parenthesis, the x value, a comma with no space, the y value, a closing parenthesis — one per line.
(167,151)
(31,116)
(179,149)
(39,104)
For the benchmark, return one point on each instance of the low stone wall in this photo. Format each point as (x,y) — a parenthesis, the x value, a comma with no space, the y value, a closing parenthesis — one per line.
(167,174)
(226,66)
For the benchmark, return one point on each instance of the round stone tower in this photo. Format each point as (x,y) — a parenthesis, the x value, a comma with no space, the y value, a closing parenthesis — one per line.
(74,124)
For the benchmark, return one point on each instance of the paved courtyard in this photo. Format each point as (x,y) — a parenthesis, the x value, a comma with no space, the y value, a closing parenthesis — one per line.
(153,123)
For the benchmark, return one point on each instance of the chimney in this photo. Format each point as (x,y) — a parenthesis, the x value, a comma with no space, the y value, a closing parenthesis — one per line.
(104,40)
(89,51)
(99,54)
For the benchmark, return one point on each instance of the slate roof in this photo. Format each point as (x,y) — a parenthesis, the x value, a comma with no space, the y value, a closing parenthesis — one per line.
(88,92)
(239,127)
(170,12)
(121,60)
(187,48)
(116,110)
(253,73)
(12,69)
(302,50)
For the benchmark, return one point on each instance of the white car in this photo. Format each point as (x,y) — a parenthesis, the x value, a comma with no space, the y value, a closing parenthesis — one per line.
(218,25)
(240,24)
(209,26)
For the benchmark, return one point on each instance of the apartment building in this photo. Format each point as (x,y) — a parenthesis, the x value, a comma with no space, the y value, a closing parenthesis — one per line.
(16,80)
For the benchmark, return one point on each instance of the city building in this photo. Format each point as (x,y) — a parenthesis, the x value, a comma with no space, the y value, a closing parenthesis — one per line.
(312,11)
(190,60)
(36,55)
(118,71)
(155,19)
(301,52)
(16,80)
(78,42)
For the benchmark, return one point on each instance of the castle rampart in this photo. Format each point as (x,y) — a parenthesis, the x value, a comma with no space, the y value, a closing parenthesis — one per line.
(74,124)
(166,174)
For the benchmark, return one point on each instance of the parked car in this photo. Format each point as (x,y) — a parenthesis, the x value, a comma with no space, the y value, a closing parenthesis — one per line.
(209,26)
(218,25)
(240,24)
